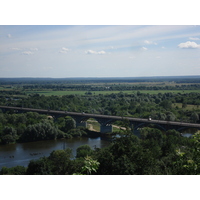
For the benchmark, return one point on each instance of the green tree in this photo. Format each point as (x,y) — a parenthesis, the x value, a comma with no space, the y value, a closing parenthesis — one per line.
(170,116)
(18,170)
(41,131)
(83,151)
(61,162)
(194,117)
(90,165)
(76,132)
(70,124)
(9,135)
(166,104)
(40,166)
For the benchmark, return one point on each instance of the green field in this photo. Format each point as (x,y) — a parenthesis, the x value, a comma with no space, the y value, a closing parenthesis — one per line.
(61,93)
(6,88)
(189,107)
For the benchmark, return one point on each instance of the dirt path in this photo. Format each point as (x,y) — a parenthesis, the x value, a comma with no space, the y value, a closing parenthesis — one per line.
(119,127)
(91,128)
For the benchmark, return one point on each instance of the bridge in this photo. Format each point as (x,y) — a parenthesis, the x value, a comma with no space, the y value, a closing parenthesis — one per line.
(106,121)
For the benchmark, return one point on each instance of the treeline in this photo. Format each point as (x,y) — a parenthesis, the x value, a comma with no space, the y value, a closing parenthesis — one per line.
(31,126)
(177,79)
(86,87)
(168,106)
(154,153)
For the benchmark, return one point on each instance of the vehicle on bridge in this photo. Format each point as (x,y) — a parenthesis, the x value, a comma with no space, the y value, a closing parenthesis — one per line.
(149,118)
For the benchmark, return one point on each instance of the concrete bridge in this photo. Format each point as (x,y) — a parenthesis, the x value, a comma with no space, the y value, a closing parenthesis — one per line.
(106,121)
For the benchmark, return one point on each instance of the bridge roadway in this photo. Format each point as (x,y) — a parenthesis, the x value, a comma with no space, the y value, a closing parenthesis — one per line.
(106,121)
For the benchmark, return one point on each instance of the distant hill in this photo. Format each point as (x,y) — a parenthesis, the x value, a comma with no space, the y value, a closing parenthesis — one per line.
(177,79)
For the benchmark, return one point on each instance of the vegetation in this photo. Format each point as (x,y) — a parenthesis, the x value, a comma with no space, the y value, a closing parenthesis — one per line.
(155,152)
(31,126)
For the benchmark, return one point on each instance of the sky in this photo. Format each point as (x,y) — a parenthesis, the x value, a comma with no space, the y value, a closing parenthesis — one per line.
(61,51)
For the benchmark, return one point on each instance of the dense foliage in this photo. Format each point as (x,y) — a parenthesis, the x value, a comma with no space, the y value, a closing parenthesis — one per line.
(167,106)
(154,153)
(31,126)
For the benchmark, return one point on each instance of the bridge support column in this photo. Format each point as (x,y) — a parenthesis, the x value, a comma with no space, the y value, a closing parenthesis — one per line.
(81,124)
(106,128)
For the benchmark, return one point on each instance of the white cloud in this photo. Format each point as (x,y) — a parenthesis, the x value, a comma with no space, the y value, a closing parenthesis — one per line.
(95,52)
(111,47)
(27,53)
(194,38)
(101,52)
(34,49)
(15,49)
(64,50)
(9,35)
(150,42)
(90,52)
(144,49)
(189,45)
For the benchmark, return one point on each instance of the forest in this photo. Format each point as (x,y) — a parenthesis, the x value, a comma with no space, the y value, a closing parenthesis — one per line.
(154,152)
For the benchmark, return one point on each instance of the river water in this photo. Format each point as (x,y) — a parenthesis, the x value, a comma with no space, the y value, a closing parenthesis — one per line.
(21,153)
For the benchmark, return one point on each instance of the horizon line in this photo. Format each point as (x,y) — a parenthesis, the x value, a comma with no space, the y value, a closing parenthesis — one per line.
(103,77)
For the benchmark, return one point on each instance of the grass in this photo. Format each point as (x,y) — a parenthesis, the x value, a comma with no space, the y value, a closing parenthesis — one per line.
(56,93)
(189,107)
(93,124)
(6,88)
(61,93)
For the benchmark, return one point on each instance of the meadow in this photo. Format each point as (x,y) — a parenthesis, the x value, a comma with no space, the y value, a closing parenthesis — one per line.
(78,92)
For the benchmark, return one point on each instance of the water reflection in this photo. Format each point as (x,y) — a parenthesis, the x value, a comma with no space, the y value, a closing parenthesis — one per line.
(187,135)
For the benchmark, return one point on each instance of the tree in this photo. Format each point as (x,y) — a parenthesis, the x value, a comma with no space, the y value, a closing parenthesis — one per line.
(70,124)
(83,151)
(170,116)
(9,135)
(18,170)
(76,132)
(194,117)
(41,166)
(162,116)
(61,162)
(90,166)
(41,131)
(7,139)
(166,104)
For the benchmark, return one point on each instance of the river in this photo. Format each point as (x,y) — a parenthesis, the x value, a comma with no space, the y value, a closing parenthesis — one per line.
(21,153)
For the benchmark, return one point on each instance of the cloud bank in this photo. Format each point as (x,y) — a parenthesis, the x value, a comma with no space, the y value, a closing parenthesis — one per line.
(27,53)
(189,45)
(144,49)
(95,52)
(192,38)
(64,50)
(150,42)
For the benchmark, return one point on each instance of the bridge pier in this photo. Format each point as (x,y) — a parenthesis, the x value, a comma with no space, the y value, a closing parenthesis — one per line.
(81,124)
(106,128)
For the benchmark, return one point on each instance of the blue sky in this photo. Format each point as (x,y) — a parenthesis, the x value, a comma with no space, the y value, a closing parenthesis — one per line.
(99,51)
